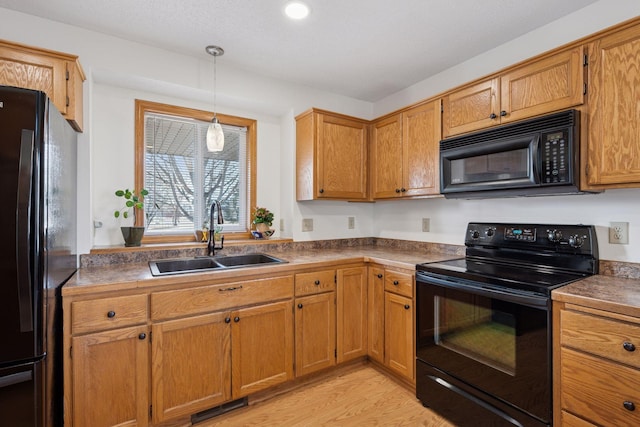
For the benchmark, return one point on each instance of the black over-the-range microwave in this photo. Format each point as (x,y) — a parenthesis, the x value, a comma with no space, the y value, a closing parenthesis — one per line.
(535,157)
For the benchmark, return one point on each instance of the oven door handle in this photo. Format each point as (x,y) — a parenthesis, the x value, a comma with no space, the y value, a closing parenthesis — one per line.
(534,301)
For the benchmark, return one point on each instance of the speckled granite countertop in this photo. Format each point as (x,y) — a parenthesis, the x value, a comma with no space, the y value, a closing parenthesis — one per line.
(138,275)
(609,293)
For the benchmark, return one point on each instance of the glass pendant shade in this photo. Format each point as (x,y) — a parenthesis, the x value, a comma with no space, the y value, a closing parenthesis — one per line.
(215,136)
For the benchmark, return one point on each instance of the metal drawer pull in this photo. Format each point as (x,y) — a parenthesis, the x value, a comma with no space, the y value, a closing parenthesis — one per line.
(111,314)
(395,282)
(628,346)
(317,282)
(629,406)
(233,288)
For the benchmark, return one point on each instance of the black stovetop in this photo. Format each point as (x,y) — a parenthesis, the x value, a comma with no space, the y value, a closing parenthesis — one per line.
(528,257)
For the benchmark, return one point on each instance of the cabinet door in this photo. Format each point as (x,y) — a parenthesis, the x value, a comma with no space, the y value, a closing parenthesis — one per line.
(191,365)
(315,318)
(111,378)
(375,312)
(543,86)
(342,158)
(21,68)
(614,128)
(471,108)
(386,158)
(352,313)
(261,347)
(422,131)
(398,337)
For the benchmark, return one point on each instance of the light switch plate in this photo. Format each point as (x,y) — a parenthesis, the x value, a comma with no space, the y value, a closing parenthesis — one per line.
(426,225)
(351,222)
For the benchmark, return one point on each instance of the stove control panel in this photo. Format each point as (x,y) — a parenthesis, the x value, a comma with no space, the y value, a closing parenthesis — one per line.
(561,238)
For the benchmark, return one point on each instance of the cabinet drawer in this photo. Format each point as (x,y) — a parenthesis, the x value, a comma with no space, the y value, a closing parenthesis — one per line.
(598,389)
(186,302)
(569,420)
(601,336)
(108,313)
(398,283)
(315,282)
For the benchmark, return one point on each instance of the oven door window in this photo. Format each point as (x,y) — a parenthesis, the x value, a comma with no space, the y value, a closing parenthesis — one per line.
(497,346)
(477,328)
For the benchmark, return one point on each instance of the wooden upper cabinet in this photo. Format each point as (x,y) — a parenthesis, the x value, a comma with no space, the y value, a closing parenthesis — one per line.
(614,110)
(470,108)
(386,157)
(331,156)
(537,87)
(404,153)
(57,74)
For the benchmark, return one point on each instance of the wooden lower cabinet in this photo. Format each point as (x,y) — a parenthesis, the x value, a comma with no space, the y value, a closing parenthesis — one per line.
(398,337)
(375,314)
(598,367)
(111,378)
(352,313)
(261,347)
(315,317)
(191,365)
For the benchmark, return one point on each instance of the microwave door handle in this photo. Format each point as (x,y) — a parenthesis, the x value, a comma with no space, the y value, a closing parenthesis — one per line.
(23,225)
(536,160)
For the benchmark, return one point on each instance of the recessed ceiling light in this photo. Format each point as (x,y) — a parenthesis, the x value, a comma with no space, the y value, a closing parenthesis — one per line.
(296,10)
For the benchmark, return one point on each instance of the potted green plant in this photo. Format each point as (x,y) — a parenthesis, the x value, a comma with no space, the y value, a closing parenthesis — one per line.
(134,200)
(262,219)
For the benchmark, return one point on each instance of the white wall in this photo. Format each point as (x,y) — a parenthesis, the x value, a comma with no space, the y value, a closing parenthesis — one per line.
(119,71)
(403,219)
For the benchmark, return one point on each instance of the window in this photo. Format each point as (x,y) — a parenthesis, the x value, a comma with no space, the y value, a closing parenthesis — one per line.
(183,178)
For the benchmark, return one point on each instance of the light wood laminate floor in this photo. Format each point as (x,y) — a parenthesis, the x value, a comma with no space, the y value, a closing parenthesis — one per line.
(361,397)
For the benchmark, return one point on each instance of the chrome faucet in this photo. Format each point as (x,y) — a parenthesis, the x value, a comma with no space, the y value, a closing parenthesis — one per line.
(211,245)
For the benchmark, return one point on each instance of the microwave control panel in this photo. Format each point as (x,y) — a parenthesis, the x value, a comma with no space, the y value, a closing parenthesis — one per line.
(556,153)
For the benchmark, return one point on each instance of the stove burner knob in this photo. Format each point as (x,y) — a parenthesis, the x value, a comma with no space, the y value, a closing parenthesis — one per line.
(490,232)
(554,235)
(575,241)
(475,234)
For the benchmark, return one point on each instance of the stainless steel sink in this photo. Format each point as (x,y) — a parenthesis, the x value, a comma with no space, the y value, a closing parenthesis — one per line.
(165,267)
(247,260)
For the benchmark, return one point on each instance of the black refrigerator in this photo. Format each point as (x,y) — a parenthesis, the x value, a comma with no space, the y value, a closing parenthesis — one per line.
(37,254)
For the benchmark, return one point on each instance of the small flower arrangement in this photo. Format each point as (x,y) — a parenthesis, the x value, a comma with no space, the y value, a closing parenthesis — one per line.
(262,216)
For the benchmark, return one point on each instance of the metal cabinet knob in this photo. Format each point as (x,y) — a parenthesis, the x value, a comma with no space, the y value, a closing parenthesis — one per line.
(300,305)
(379,275)
(492,116)
(321,190)
(395,282)
(628,346)
(317,282)
(111,314)
(407,306)
(227,320)
(503,113)
(236,319)
(142,336)
(403,190)
(629,406)
(397,190)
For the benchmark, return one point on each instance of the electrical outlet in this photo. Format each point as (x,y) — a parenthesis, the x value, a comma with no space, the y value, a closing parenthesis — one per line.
(307,224)
(619,233)
(351,222)
(281,224)
(426,225)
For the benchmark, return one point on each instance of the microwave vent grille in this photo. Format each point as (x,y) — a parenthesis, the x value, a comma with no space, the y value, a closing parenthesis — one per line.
(563,119)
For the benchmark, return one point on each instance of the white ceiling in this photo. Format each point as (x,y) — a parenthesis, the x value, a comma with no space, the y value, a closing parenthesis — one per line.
(364,49)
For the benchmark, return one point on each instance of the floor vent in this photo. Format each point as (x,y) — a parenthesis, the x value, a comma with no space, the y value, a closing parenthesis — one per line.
(219,410)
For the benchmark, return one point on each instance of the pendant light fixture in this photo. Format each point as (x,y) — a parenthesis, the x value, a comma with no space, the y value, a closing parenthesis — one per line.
(215,135)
